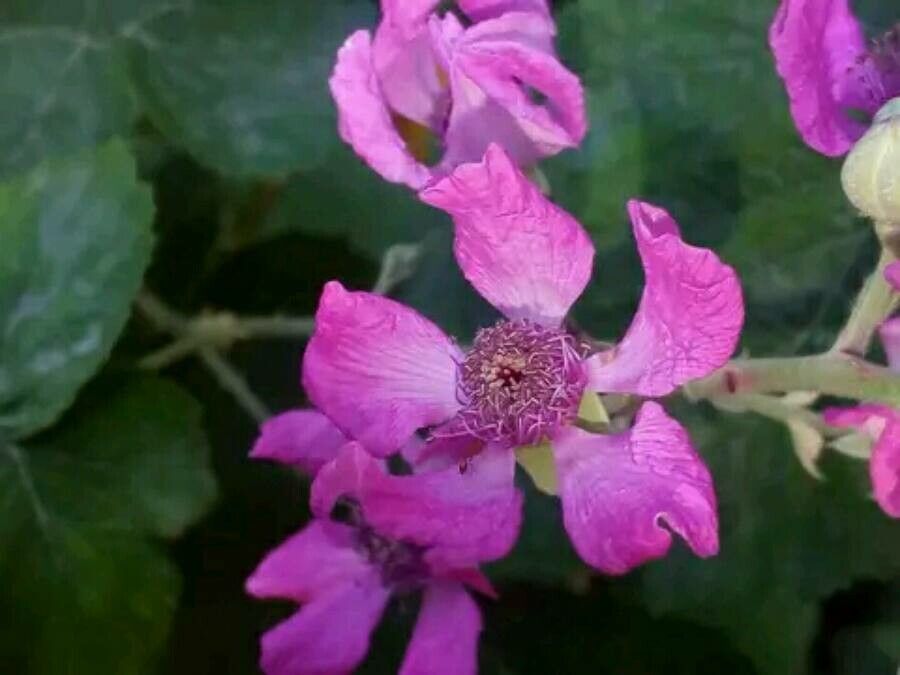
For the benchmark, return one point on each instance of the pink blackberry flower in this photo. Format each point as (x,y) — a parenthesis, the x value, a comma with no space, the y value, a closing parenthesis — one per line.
(497,80)
(382,372)
(830,71)
(396,535)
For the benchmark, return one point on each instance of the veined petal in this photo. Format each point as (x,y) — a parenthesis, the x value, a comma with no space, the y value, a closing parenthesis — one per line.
(462,517)
(329,636)
(303,439)
(364,120)
(378,369)
(310,564)
(445,639)
(882,424)
(815,43)
(525,255)
(689,319)
(616,489)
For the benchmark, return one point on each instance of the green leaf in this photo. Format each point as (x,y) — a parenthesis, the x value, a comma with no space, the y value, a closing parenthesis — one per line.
(787,542)
(242,84)
(76,241)
(64,76)
(91,590)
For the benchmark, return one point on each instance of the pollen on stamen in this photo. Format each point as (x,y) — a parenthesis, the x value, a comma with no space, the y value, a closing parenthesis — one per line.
(519,383)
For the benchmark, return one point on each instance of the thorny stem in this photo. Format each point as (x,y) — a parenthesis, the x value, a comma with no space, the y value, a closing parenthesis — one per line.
(834,374)
(775,408)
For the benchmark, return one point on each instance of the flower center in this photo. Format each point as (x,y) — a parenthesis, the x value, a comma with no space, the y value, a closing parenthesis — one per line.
(519,383)
(878,71)
(402,564)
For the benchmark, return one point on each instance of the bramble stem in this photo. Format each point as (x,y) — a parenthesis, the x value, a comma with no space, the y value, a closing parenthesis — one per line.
(834,374)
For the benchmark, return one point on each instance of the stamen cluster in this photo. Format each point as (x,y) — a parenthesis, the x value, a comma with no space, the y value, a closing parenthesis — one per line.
(520,382)
(878,70)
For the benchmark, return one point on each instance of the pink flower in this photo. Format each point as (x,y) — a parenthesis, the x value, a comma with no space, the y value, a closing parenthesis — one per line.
(880,422)
(381,371)
(468,86)
(400,534)
(829,70)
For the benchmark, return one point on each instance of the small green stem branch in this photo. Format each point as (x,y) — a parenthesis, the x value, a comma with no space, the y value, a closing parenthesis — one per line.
(194,336)
(835,374)
(875,302)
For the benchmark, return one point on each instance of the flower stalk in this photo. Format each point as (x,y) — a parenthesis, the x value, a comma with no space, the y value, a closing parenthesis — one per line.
(832,373)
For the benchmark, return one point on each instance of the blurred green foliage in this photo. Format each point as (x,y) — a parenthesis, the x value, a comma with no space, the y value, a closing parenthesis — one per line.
(220,109)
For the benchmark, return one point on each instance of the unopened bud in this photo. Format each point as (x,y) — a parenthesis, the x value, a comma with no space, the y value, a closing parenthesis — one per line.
(871,173)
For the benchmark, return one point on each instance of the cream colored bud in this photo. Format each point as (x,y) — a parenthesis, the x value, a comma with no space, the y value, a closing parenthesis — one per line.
(871,173)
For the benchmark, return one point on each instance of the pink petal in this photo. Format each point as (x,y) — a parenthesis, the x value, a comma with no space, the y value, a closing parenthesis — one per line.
(408,15)
(364,120)
(525,255)
(882,424)
(616,489)
(889,332)
(318,559)
(480,10)
(496,68)
(445,639)
(329,636)
(892,274)
(378,369)
(464,517)
(409,76)
(816,43)
(304,439)
(689,319)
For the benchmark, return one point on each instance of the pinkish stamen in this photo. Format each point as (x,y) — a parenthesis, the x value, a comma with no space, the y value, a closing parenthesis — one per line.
(519,383)
(878,70)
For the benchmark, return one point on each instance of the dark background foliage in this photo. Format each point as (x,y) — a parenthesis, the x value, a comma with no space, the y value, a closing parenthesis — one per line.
(190,145)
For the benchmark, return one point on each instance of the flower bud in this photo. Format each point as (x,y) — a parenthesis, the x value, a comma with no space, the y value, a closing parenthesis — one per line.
(871,173)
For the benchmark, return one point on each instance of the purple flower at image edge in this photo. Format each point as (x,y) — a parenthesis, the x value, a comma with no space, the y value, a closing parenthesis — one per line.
(382,372)
(880,422)
(830,71)
(495,80)
(423,532)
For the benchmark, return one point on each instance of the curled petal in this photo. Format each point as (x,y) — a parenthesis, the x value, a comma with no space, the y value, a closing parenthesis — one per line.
(463,517)
(816,44)
(309,564)
(409,76)
(525,255)
(378,369)
(364,120)
(617,490)
(499,69)
(689,319)
(445,639)
(304,439)
(329,635)
(882,424)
